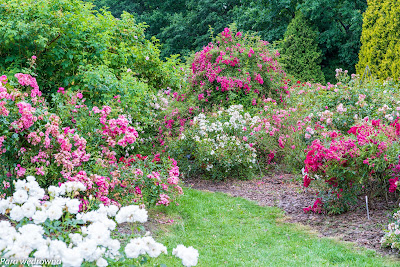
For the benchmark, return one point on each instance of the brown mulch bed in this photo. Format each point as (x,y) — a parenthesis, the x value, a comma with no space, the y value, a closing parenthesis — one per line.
(281,190)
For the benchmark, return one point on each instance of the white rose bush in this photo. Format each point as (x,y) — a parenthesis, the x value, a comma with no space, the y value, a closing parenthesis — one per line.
(220,144)
(53,225)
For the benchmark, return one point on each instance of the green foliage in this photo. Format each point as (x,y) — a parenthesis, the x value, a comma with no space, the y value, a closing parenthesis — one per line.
(300,53)
(269,18)
(183,26)
(69,37)
(339,25)
(381,40)
(190,30)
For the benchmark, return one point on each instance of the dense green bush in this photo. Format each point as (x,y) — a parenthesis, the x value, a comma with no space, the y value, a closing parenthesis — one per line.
(381,39)
(301,55)
(72,43)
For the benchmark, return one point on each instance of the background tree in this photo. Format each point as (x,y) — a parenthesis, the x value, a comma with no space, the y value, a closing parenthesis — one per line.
(339,23)
(381,39)
(269,18)
(183,25)
(301,55)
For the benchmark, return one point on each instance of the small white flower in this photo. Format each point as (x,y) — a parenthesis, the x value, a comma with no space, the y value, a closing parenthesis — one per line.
(16,213)
(76,239)
(71,257)
(73,206)
(28,209)
(4,205)
(54,191)
(20,185)
(54,212)
(39,217)
(101,262)
(112,210)
(20,196)
(189,256)
(134,248)
(30,178)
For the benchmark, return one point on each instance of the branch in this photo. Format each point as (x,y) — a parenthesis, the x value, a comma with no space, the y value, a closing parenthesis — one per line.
(52,41)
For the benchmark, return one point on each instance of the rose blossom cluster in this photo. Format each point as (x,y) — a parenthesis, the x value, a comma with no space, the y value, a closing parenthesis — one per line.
(52,149)
(89,241)
(233,64)
(369,150)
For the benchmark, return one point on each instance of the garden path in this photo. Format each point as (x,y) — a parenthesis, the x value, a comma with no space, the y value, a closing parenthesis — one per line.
(281,190)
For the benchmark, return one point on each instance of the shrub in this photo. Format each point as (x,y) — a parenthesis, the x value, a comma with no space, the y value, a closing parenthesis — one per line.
(235,69)
(77,145)
(368,157)
(301,56)
(380,40)
(218,145)
(57,228)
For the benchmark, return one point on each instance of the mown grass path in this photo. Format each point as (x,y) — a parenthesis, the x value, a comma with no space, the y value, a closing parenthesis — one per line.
(230,231)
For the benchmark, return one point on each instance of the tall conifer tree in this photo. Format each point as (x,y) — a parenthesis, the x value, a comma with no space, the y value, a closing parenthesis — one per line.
(380,39)
(301,55)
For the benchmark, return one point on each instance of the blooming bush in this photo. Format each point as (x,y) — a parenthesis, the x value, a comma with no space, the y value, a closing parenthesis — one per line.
(236,69)
(56,226)
(367,157)
(146,180)
(80,143)
(392,236)
(219,145)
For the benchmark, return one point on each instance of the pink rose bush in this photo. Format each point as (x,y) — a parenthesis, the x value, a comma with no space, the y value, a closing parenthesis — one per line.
(77,143)
(368,157)
(236,68)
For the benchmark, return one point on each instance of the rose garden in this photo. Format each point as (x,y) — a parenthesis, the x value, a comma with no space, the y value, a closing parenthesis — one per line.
(104,146)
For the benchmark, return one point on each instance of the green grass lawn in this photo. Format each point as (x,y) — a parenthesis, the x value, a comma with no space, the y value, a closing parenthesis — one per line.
(231,231)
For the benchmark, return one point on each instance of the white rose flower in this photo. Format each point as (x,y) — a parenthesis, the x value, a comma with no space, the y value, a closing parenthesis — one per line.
(71,257)
(16,213)
(56,247)
(30,178)
(112,210)
(53,191)
(73,206)
(28,209)
(88,249)
(101,262)
(37,193)
(20,196)
(39,217)
(20,185)
(42,252)
(54,212)
(4,205)
(134,248)
(99,233)
(189,256)
(114,245)
(76,238)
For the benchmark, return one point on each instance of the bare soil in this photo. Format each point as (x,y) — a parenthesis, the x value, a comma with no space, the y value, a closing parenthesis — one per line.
(281,190)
